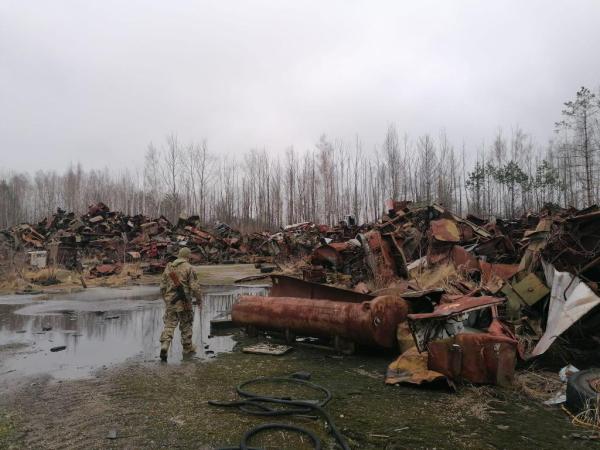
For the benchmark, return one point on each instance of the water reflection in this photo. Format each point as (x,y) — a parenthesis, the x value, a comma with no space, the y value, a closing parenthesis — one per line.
(101,327)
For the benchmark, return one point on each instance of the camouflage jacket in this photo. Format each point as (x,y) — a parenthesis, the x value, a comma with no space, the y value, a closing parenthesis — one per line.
(187,278)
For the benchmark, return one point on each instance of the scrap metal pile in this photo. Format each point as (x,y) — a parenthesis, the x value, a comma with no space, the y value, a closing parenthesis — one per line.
(108,239)
(462,299)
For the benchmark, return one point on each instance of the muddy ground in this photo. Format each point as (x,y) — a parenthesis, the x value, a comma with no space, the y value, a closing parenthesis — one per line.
(141,403)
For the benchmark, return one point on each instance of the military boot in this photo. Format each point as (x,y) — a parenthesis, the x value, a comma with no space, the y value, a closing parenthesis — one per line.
(164,349)
(189,351)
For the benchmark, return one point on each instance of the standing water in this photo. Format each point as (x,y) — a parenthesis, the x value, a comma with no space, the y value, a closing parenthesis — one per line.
(100,327)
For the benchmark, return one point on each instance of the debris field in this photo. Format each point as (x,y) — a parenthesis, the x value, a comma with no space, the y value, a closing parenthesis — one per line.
(459,299)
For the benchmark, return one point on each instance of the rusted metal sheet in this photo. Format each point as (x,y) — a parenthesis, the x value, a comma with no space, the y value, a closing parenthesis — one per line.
(466,232)
(201,234)
(379,256)
(286,286)
(458,306)
(149,228)
(463,259)
(394,207)
(327,255)
(399,257)
(445,230)
(370,323)
(447,318)
(502,271)
(495,247)
(481,358)
(341,246)
(98,208)
(314,274)
(103,270)
(494,276)
(389,205)
(479,231)
(378,245)
(27,234)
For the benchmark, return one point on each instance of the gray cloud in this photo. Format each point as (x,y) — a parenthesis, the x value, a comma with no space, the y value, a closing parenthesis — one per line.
(96,81)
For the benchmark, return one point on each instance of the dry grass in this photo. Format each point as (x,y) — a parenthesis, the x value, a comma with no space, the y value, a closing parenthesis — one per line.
(473,402)
(12,282)
(293,266)
(436,276)
(27,279)
(537,384)
(589,417)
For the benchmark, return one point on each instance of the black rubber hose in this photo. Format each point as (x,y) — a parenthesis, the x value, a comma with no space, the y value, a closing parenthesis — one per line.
(258,405)
(279,426)
(240,387)
(305,406)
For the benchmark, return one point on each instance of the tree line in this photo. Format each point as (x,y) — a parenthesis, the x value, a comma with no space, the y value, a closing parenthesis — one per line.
(262,190)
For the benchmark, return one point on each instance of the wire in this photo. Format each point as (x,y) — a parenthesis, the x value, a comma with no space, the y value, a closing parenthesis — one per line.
(575,420)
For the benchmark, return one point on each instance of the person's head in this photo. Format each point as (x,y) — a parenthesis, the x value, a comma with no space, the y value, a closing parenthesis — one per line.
(184,253)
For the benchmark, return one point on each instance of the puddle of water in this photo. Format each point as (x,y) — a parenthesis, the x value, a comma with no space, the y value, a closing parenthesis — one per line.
(101,327)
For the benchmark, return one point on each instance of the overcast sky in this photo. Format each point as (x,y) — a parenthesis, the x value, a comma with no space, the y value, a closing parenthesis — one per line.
(96,81)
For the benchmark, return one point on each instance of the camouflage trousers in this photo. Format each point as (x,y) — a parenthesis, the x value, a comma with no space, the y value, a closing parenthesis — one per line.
(184,319)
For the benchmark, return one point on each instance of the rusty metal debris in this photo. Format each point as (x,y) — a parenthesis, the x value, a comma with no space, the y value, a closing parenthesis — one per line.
(371,322)
(443,285)
(103,236)
(287,286)
(482,358)
(476,293)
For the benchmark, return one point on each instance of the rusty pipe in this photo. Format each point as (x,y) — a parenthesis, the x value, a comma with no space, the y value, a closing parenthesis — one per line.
(371,322)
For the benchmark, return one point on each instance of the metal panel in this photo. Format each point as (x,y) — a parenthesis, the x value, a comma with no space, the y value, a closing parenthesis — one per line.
(531,289)
(458,306)
(481,358)
(286,286)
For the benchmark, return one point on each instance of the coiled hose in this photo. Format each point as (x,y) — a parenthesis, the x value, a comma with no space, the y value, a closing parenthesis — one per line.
(261,405)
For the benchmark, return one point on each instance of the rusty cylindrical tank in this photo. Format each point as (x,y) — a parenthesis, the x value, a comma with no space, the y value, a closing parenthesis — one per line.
(371,322)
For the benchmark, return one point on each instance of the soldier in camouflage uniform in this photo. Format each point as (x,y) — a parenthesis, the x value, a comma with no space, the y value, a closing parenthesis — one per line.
(178,311)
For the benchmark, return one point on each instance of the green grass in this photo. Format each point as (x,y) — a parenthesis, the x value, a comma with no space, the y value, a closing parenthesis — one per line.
(370,414)
(7,431)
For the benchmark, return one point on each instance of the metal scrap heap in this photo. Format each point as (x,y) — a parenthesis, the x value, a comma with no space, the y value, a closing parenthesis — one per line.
(463,299)
(112,238)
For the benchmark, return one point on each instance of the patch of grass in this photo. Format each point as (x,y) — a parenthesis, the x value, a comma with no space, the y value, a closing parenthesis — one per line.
(370,414)
(7,431)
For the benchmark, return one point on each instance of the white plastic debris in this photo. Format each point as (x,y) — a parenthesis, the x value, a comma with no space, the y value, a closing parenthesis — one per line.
(570,300)
(566,372)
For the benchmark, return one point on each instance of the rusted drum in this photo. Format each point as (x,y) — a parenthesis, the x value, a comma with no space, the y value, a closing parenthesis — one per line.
(372,322)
